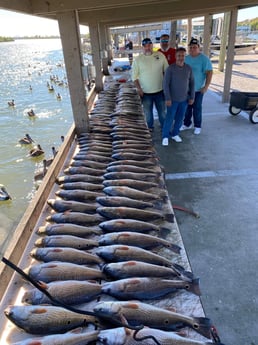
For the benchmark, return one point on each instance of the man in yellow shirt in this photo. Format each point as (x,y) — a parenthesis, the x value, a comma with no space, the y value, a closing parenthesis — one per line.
(147,73)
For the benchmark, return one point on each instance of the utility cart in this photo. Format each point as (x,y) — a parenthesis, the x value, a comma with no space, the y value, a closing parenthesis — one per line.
(244,101)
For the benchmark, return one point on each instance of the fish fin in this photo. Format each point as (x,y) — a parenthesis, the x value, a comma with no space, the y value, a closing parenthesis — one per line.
(181,333)
(202,325)
(169,217)
(174,248)
(42,284)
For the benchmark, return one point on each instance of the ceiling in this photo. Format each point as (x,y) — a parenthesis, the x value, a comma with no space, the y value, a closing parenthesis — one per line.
(125,12)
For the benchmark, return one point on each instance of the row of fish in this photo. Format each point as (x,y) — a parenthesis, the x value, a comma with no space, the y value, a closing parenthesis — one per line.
(102,258)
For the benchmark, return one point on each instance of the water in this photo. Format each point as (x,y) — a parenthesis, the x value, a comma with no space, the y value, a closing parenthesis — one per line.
(25,64)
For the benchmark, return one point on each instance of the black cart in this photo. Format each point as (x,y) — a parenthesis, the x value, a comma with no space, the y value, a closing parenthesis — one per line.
(244,101)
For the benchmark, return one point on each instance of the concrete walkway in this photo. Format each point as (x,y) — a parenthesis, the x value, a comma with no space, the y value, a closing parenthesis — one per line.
(216,175)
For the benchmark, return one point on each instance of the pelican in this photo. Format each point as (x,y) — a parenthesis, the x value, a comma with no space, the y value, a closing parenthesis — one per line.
(58,96)
(11,103)
(27,140)
(40,174)
(36,151)
(51,88)
(4,194)
(50,160)
(31,113)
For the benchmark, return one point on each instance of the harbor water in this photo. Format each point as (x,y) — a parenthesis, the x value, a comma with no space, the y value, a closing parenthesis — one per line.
(26,67)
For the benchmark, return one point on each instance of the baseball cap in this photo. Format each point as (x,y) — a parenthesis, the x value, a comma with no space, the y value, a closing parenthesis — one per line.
(146,41)
(193,41)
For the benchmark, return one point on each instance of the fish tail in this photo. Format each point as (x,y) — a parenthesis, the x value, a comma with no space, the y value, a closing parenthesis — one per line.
(194,287)
(202,325)
(182,272)
(169,217)
(174,248)
(158,204)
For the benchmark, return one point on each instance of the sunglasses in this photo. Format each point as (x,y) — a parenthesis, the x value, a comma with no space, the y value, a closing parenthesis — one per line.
(164,41)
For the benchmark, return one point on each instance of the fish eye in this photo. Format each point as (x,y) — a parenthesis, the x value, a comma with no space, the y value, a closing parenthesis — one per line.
(166,321)
(195,326)
(187,286)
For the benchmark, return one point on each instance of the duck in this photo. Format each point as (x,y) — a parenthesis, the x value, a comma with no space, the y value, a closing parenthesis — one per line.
(31,113)
(58,96)
(41,173)
(11,103)
(51,88)
(4,195)
(36,151)
(27,140)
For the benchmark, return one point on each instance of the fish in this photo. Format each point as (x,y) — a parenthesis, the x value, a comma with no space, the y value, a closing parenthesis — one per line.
(46,319)
(84,170)
(76,336)
(149,162)
(77,218)
(139,313)
(60,205)
(130,269)
(68,229)
(121,336)
(134,156)
(94,157)
(65,254)
(115,201)
(153,177)
(133,213)
(87,163)
(131,168)
(132,193)
(69,292)
(123,224)
(139,151)
(78,195)
(118,253)
(82,185)
(55,270)
(66,241)
(137,184)
(137,239)
(148,288)
(79,178)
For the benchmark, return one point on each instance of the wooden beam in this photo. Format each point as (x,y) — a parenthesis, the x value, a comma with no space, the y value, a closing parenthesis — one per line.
(69,31)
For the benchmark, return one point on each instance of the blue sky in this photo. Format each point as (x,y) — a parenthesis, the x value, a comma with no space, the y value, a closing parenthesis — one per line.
(16,24)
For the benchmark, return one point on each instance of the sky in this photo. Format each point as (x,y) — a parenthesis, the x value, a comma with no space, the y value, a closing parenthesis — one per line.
(15,24)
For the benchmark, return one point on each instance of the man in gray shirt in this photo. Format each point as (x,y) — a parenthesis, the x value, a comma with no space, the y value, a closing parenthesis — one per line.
(178,86)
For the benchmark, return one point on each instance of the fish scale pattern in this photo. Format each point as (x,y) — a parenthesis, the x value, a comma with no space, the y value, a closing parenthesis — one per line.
(107,245)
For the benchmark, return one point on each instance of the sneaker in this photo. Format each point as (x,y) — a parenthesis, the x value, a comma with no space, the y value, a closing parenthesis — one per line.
(165,142)
(183,128)
(177,138)
(197,130)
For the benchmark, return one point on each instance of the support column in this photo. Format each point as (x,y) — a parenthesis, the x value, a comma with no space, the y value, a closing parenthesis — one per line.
(109,47)
(207,34)
(172,36)
(95,47)
(224,41)
(103,47)
(230,55)
(189,30)
(71,43)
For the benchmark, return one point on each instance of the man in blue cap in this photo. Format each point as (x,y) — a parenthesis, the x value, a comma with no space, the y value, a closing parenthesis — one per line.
(202,71)
(147,73)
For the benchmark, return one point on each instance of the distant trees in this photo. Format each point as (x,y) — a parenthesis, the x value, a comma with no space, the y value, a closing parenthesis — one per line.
(253,23)
(6,39)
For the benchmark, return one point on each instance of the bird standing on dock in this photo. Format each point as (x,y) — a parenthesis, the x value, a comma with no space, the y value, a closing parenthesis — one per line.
(11,103)
(27,140)
(4,195)
(36,151)
(50,160)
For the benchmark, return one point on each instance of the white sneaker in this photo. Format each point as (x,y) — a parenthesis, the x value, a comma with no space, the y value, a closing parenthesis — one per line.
(177,138)
(183,128)
(197,130)
(165,142)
